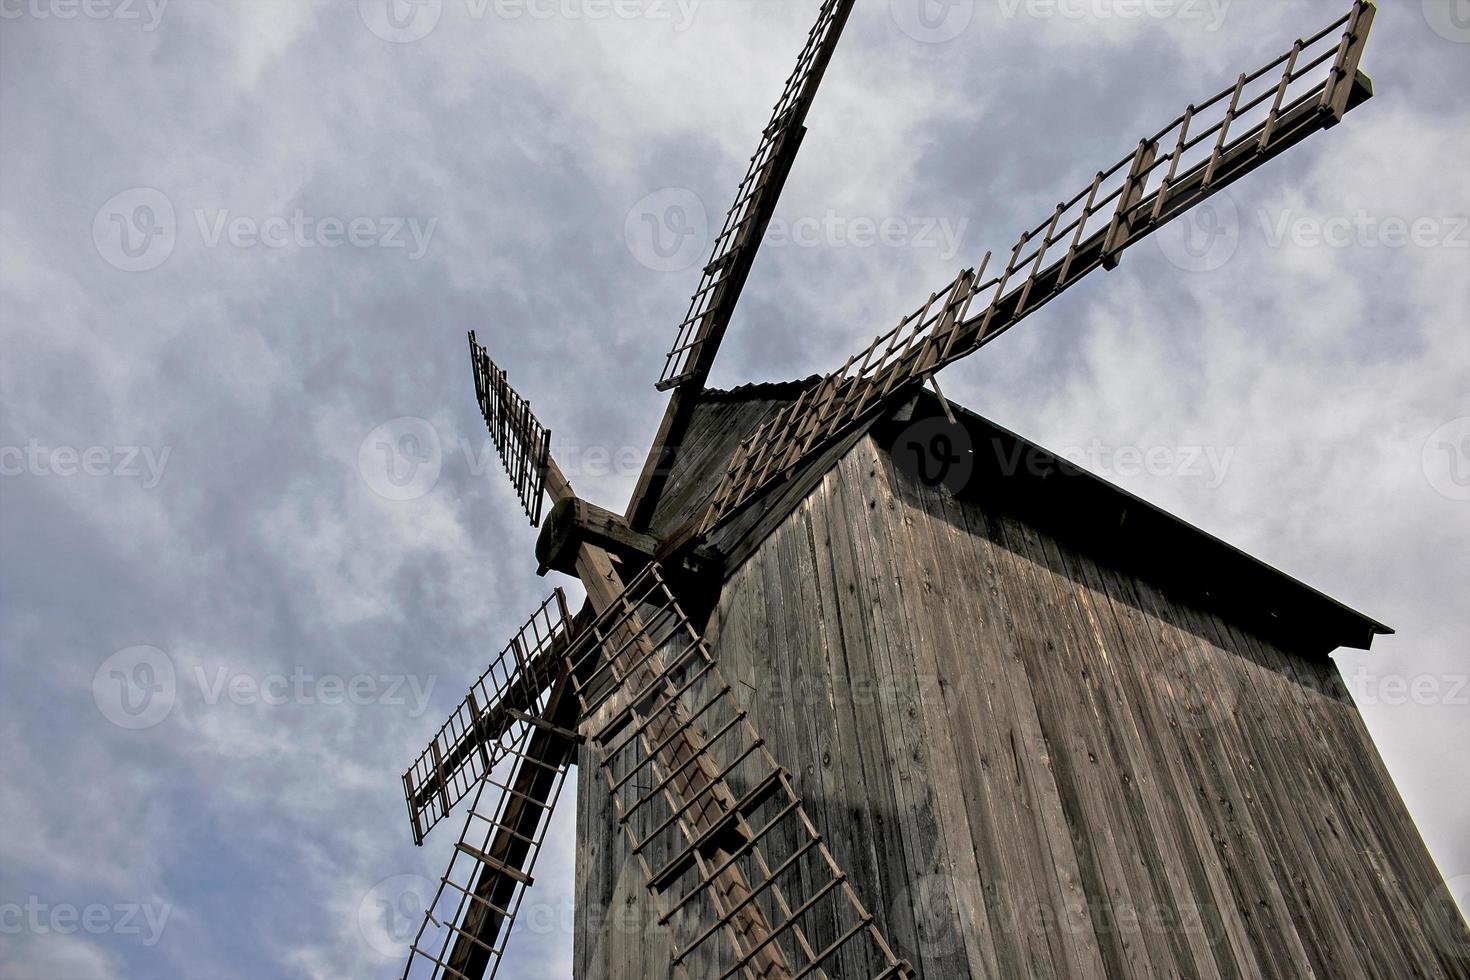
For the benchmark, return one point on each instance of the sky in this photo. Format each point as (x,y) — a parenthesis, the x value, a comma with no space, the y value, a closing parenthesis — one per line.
(256,543)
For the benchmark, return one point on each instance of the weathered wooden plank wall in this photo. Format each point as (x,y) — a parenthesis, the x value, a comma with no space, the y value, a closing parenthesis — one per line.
(1035,765)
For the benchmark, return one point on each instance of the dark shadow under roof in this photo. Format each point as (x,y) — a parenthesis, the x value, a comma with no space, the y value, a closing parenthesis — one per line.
(1049,492)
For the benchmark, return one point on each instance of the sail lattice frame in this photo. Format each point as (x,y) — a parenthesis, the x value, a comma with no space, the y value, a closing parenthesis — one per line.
(1209,146)
(524,444)
(755,200)
(467,928)
(488,722)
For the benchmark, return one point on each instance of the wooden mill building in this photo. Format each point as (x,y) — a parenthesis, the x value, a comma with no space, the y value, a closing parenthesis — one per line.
(1048,729)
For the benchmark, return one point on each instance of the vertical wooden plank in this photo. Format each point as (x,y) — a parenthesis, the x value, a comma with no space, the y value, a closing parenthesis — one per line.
(1371,881)
(1264,709)
(1036,842)
(1136,660)
(1218,748)
(845,755)
(893,700)
(866,727)
(1107,663)
(1087,768)
(966,941)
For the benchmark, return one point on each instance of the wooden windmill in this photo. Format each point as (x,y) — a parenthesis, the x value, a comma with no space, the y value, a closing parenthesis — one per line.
(768,839)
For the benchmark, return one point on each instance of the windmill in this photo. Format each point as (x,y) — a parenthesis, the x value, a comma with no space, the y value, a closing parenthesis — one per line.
(743,877)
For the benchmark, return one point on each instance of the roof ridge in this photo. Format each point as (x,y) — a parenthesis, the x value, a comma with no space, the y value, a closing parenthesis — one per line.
(761,389)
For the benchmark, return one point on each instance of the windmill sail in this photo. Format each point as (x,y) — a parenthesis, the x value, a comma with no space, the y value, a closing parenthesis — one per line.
(488,721)
(1212,144)
(467,928)
(524,444)
(738,872)
(698,336)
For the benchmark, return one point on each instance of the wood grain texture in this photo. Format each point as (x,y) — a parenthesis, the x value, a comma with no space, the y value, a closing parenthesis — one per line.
(1038,758)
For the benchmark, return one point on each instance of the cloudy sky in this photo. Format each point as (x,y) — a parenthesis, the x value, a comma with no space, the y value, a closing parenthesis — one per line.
(241,243)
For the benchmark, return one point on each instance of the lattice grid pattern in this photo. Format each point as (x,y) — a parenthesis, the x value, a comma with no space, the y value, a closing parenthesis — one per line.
(738,872)
(1210,145)
(466,930)
(755,199)
(524,444)
(489,721)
